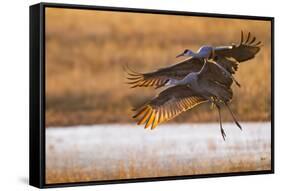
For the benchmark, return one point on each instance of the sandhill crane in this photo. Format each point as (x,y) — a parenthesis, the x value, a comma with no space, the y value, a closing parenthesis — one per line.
(193,81)
(193,89)
(244,51)
(226,56)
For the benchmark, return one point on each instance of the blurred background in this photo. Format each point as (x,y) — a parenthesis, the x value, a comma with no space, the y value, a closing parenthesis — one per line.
(86,51)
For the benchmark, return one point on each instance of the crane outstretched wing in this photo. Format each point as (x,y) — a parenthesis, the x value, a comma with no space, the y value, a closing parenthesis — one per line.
(167,105)
(178,71)
(245,50)
(161,76)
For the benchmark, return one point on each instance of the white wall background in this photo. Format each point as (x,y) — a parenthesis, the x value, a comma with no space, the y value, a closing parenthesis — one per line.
(14,90)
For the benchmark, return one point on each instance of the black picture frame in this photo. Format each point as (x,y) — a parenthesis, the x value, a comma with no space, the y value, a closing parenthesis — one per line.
(37,93)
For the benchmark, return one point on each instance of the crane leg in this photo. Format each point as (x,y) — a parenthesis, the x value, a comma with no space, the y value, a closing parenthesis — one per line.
(221,129)
(233,116)
(236,82)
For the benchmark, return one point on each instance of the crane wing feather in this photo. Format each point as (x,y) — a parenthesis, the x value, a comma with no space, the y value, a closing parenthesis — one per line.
(246,50)
(161,76)
(167,105)
(178,71)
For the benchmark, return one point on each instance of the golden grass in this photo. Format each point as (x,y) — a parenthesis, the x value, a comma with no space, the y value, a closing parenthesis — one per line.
(78,174)
(86,50)
(150,166)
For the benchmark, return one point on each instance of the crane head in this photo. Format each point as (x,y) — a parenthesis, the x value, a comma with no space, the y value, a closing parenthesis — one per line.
(186,52)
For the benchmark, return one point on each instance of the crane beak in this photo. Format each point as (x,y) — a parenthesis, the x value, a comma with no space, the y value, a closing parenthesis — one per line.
(181,54)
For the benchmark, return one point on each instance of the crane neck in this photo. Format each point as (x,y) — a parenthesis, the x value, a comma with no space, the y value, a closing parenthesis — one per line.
(204,67)
(191,53)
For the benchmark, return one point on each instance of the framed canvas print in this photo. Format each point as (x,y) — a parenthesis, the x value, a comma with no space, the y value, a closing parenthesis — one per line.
(125,95)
